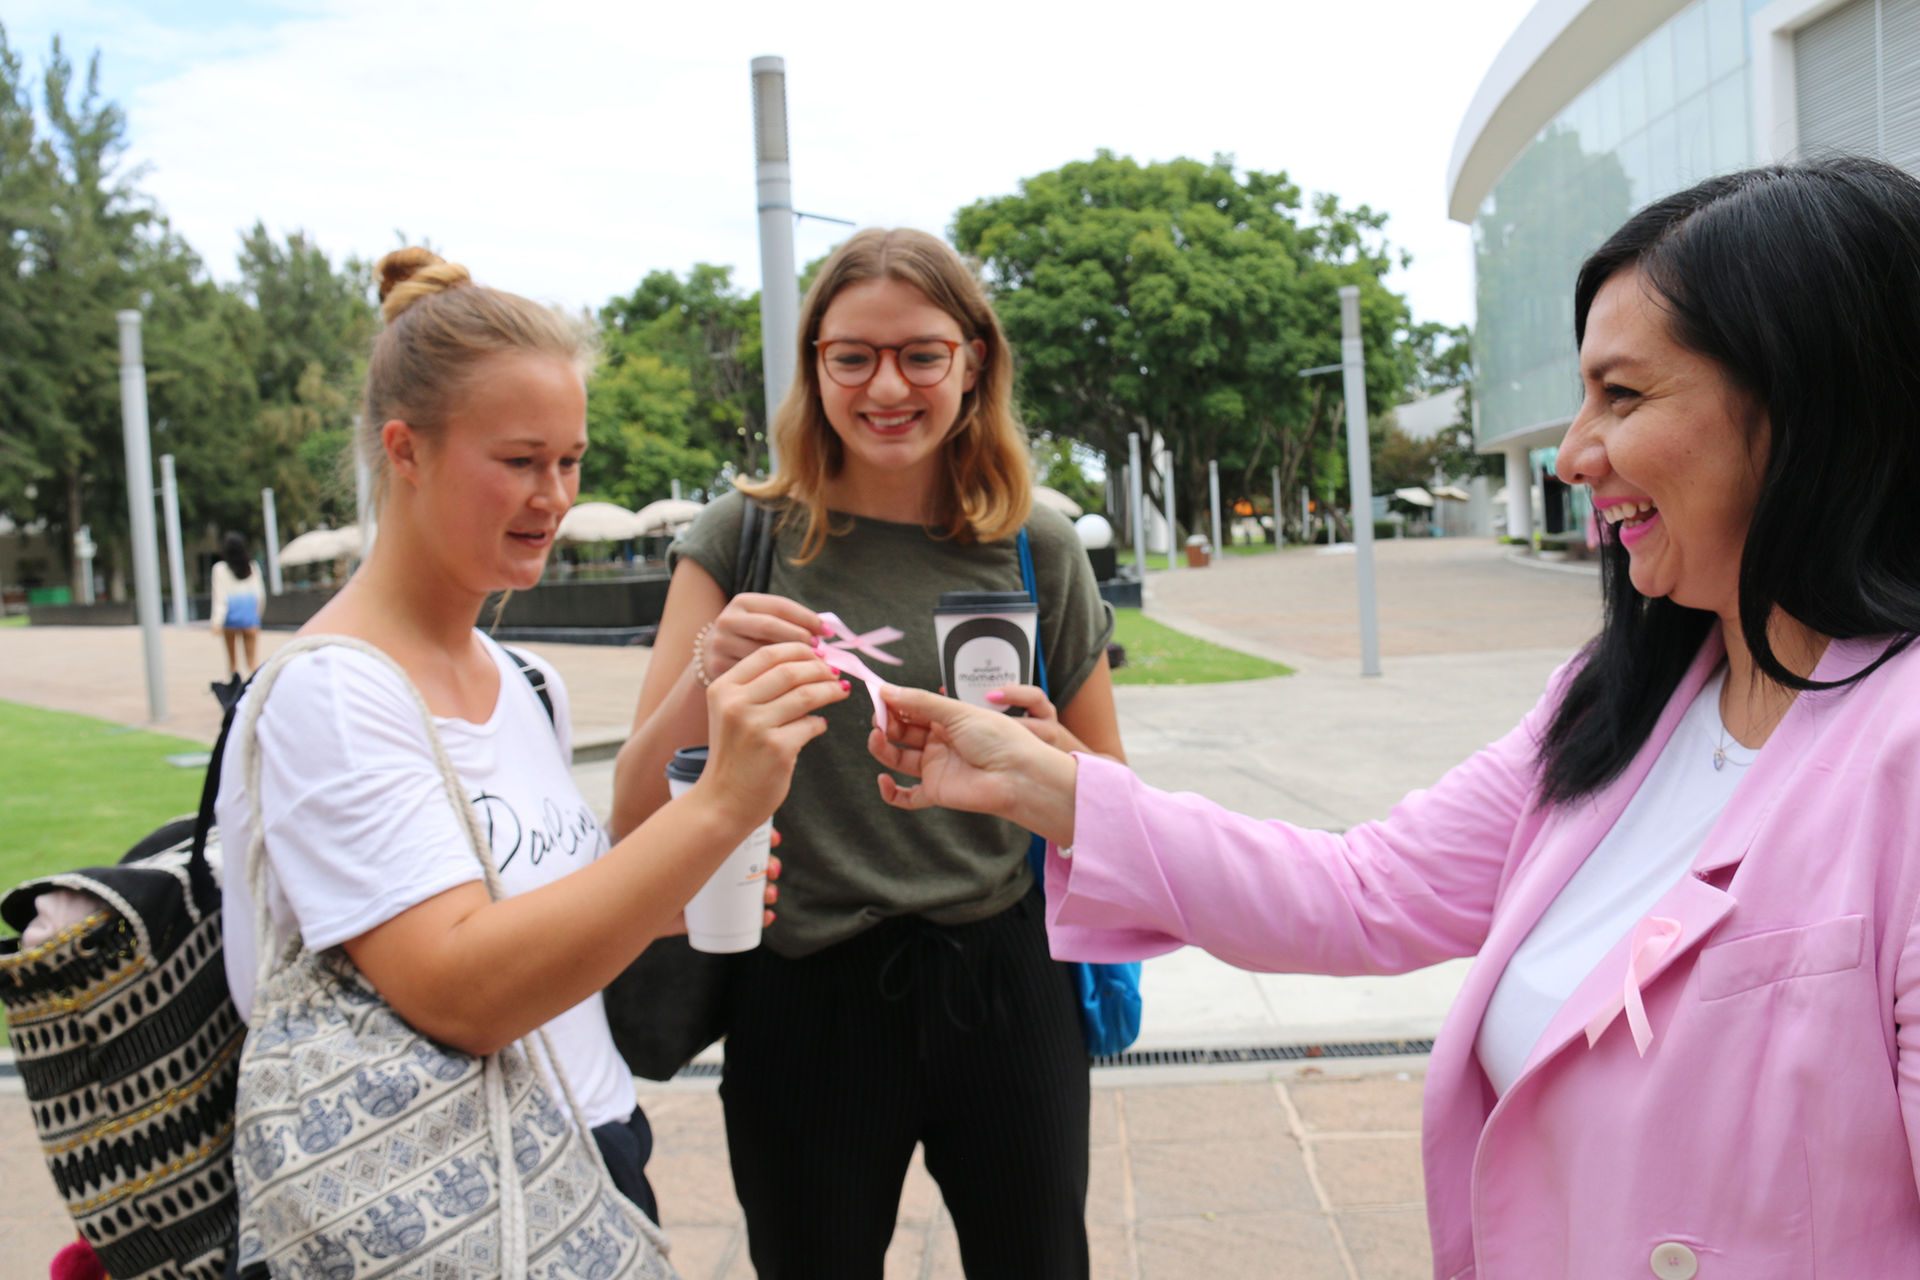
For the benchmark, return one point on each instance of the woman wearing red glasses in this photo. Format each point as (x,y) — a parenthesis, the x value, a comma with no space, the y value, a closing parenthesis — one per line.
(905,995)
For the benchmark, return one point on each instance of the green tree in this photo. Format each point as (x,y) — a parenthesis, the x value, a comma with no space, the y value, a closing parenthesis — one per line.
(28,402)
(78,266)
(1058,465)
(710,331)
(640,428)
(1182,298)
(306,344)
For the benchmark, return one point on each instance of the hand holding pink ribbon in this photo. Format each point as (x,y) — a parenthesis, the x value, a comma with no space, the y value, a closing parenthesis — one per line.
(843,655)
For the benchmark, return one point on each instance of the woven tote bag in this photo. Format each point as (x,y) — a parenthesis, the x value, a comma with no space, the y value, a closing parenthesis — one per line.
(128,1046)
(362,1148)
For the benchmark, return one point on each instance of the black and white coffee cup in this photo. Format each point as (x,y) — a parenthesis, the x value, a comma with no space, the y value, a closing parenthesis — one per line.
(986,641)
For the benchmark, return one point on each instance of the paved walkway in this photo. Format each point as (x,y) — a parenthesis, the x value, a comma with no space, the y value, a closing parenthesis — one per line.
(1303,1170)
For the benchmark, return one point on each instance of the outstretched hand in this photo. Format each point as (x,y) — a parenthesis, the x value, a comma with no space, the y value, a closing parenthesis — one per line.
(974,760)
(1041,718)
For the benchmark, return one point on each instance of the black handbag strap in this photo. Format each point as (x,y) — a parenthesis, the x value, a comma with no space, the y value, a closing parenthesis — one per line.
(753,563)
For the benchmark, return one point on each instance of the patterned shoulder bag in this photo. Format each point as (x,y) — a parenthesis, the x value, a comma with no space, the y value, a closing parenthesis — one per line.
(363,1148)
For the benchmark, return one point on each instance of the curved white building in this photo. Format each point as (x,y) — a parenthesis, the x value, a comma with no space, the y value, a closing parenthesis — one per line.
(1592,109)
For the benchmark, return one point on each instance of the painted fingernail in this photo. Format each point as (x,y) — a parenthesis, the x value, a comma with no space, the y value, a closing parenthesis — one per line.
(994,695)
(847,685)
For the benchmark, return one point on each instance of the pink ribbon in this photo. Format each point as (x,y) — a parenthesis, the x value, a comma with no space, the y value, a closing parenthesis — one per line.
(1652,938)
(843,655)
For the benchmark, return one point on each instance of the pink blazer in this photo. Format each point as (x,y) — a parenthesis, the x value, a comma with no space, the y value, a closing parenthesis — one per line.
(1768,1129)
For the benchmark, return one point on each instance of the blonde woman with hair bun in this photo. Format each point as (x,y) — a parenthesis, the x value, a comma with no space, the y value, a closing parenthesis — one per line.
(905,995)
(475,423)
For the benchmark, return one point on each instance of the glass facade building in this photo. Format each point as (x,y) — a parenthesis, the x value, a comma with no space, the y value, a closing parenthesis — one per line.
(1717,85)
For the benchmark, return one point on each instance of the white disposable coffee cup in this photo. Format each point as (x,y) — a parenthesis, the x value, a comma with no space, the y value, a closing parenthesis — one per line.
(726,914)
(986,642)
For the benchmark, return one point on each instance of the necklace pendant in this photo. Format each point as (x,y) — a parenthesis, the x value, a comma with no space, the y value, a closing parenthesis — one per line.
(1719,757)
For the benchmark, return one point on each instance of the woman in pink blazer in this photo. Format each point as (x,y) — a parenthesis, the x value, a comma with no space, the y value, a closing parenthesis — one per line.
(1690,1042)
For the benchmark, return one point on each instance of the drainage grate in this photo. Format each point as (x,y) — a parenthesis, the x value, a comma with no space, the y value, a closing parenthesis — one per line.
(1265,1053)
(1203,1057)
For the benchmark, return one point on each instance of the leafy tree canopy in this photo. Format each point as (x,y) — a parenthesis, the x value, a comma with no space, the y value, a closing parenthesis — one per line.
(1182,298)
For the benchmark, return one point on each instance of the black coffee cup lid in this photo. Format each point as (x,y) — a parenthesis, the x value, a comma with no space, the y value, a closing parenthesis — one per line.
(687,764)
(984,602)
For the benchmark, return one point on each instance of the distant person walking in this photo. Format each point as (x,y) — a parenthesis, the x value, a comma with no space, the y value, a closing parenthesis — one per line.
(238,598)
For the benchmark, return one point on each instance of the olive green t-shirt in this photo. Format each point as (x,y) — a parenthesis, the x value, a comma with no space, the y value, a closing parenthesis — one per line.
(850,859)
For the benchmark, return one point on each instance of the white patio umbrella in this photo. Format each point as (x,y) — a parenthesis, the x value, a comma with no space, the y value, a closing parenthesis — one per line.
(1453,493)
(1057,500)
(598,522)
(1415,495)
(669,515)
(319,545)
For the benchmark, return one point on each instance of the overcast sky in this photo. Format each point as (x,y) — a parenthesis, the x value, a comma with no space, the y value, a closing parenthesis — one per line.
(567,154)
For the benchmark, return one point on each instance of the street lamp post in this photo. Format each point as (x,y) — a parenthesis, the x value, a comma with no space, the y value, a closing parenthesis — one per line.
(1352,367)
(779,282)
(146,551)
(170,510)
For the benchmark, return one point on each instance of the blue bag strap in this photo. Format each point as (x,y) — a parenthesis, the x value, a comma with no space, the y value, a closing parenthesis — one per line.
(1033,590)
(1037,848)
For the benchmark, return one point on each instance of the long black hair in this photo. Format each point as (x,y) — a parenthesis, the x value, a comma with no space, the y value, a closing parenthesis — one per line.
(1802,282)
(233,549)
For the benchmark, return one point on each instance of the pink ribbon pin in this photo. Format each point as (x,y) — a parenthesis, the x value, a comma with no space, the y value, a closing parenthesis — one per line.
(1652,938)
(843,655)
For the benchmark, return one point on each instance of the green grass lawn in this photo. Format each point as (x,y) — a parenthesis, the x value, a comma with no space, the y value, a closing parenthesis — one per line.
(1158,654)
(14,620)
(80,791)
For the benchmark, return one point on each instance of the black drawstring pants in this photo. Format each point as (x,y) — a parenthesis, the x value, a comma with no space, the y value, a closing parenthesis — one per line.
(964,1038)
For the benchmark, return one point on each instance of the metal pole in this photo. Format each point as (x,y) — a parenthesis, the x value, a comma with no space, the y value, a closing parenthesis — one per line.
(1306,516)
(1166,502)
(1359,474)
(779,282)
(363,513)
(83,550)
(1213,491)
(676,491)
(273,541)
(170,511)
(146,551)
(1278,540)
(1135,504)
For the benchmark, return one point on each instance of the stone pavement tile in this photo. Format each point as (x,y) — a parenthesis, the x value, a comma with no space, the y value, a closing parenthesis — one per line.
(703,1253)
(694,1186)
(1229,1112)
(1103,1121)
(1388,1244)
(30,1208)
(1361,1105)
(920,1195)
(1107,1185)
(1111,1252)
(1297,1246)
(1370,1171)
(27,1246)
(1190,1178)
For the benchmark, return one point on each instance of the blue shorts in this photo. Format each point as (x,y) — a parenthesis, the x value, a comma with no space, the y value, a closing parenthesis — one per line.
(243,613)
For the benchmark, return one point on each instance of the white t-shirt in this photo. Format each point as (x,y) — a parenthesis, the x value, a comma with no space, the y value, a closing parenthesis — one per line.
(1653,844)
(359,828)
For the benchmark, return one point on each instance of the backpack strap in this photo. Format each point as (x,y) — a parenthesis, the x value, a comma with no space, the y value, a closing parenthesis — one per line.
(204,888)
(537,678)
